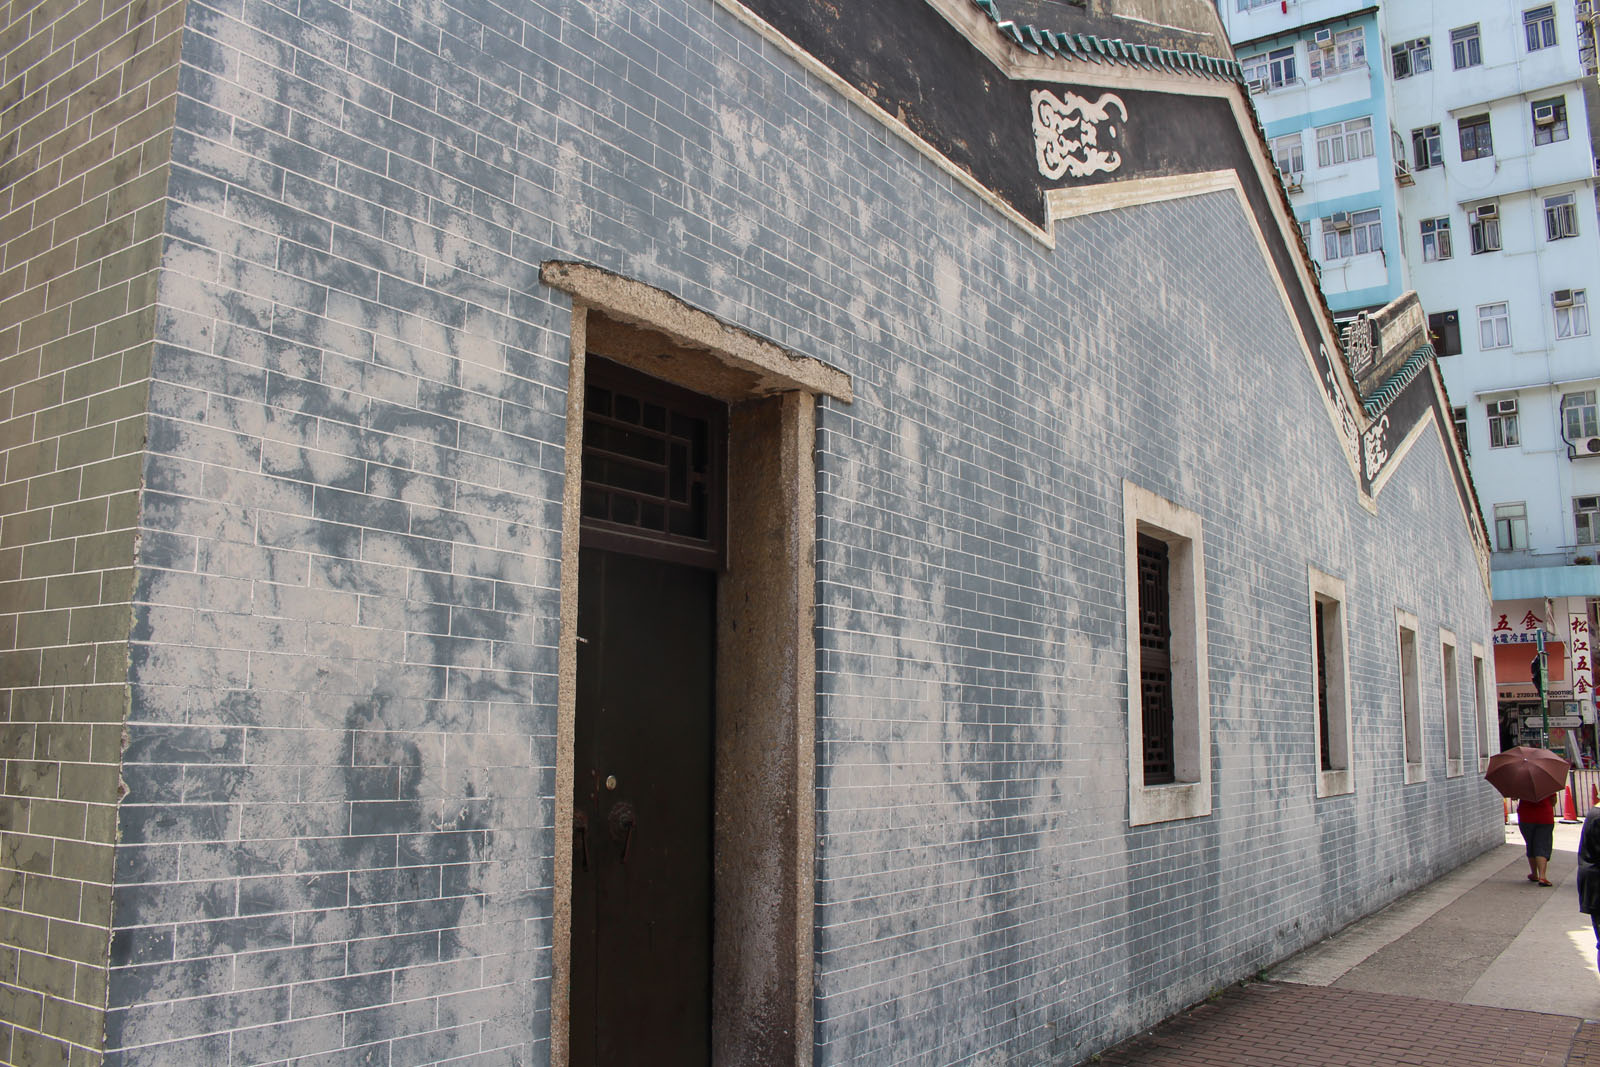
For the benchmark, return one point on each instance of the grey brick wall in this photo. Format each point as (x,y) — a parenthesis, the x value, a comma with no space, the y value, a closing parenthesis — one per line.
(980,895)
(336,842)
(86,108)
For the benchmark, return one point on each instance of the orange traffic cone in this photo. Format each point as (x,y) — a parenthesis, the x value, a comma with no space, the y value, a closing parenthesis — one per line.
(1569,807)
(1594,796)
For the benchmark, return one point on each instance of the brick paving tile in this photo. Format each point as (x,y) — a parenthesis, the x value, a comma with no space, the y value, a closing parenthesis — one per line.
(1266,1024)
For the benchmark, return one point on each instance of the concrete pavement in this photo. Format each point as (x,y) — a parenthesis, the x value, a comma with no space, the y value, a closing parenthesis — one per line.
(1479,967)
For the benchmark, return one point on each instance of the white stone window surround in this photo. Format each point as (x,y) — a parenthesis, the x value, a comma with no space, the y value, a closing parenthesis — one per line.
(1330,592)
(1450,697)
(1190,796)
(1413,751)
(1482,687)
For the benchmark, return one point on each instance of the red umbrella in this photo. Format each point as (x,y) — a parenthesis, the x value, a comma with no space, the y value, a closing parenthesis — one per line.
(1525,773)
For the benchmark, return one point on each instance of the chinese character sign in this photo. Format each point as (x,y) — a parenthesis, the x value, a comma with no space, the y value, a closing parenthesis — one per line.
(1582,661)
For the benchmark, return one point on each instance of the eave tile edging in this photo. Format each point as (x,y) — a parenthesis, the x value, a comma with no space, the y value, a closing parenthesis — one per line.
(1086,46)
(1398,381)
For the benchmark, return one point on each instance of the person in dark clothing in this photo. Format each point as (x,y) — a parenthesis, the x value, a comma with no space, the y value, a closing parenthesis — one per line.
(1589,872)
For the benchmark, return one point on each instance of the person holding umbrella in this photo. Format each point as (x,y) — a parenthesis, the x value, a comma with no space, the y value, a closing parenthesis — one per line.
(1537,821)
(1532,777)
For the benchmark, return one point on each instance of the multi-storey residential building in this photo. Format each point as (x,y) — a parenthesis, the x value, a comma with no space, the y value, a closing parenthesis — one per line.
(1481,158)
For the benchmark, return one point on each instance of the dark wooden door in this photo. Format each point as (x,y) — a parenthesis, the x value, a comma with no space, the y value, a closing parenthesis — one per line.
(641,885)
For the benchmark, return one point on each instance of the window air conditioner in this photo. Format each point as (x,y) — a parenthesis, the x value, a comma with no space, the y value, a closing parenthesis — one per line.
(1339,220)
(1324,38)
(1256,85)
(1506,407)
(1587,446)
(1561,298)
(1544,115)
(1487,211)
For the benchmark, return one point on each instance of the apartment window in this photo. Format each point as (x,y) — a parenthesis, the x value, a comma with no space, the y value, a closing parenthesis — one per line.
(1465,48)
(1511,527)
(1560,216)
(1572,312)
(1410,695)
(1444,333)
(1273,70)
(1494,326)
(1425,151)
(1332,680)
(1480,700)
(1452,703)
(1411,57)
(1579,415)
(1347,52)
(1586,514)
(1344,142)
(1435,239)
(1549,120)
(1503,432)
(1476,142)
(1169,719)
(1484,225)
(1250,5)
(1305,233)
(1458,417)
(1288,152)
(1352,233)
(1539,27)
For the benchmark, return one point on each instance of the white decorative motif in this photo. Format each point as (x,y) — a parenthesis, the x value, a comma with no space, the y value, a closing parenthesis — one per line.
(1073,137)
(1358,344)
(1376,449)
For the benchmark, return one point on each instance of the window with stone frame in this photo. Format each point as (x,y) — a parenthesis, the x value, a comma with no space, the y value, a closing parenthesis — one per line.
(1480,701)
(1410,696)
(1169,719)
(1451,694)
(1331,675)
(1458,419)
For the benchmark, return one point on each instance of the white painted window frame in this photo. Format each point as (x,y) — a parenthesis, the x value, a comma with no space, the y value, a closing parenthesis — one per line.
(1190,796)
(1413,736)
(1450,701)
(1329,591)
(1482,686)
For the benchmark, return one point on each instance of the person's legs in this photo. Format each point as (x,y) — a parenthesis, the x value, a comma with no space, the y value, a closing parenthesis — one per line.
(1541,841)
(1541,868)
(1595,919)
(1527,845)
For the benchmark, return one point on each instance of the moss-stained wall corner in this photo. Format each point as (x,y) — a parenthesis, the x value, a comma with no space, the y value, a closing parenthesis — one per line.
(87,101)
